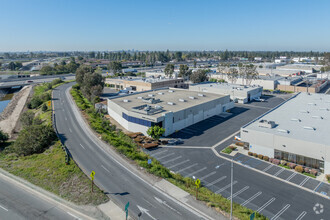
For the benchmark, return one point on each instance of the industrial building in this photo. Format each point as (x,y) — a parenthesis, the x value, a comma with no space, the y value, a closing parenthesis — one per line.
(296,131)
(238,93)
(143,84)
(170,108)
(300,84)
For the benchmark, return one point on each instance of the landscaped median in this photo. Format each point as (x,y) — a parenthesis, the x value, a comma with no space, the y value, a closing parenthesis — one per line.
(127,146)
(38,157)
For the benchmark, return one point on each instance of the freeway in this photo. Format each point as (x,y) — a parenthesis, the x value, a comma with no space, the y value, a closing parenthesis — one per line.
(16,203)
(114,174)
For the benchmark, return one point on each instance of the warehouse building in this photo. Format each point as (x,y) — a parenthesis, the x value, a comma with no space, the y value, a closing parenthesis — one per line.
(296,131)
(170,108)
(238,93)
(143,84)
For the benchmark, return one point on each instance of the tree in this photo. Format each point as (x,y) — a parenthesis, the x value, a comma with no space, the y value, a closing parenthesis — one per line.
(183,70)
(81,71)
(195,63)
(27,118)
(115,67)
(178,56)
(3,136)
(199,76)
(169,70)
(225,55)
(232,74)
(44,107)
(47,70)
(155,132)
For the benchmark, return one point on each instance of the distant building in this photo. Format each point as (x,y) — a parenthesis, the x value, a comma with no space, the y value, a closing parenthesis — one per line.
(296,131)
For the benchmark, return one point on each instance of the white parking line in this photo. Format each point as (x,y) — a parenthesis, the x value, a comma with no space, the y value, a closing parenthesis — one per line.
(178,164)
(239,192)
(179,171)
(304,181)
(82,146)
(291,176)
(301,215)
(105,168)
(225,187)
(266,204)
(267,168)
(216,181)
(208,175)
(278,172)
(280,212)
(317,186)
(165,156)
(251,198)
(70,130)
(3,208)
(197,171)
(158,153)
(171,160)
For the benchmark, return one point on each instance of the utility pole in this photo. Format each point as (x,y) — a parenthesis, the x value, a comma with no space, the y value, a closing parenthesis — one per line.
(231,190)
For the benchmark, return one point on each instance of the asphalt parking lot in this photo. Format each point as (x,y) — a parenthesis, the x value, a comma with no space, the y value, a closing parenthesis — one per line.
(214,129)
(269,196)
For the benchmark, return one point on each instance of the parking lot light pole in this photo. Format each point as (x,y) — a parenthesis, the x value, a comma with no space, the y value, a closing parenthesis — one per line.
(231,190)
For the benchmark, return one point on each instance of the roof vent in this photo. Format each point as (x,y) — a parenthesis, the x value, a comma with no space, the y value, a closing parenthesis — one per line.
(201,95)
(266,124)
(304,111)
(324,109)
(151,95)
(170,103)
(182,100)
(125,100)
(140,97)
(295,119)
(309,128)
(192,97)
(317,117)
(158,107)
(160,93)
(283,131)
(311,103)
(170,91)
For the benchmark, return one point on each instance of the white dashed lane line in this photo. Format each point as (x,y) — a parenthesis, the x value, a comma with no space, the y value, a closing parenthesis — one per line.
(3,208)
(82,146)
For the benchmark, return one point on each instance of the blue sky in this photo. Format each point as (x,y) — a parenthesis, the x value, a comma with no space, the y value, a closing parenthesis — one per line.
(60,25)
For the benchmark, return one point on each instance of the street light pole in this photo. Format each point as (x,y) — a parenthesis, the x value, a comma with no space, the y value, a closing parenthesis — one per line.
(231,190)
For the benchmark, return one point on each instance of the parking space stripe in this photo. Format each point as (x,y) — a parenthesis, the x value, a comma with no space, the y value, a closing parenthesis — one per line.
(239,192)
(278,172)
(318,186)
(165,156)
(179,171)
(266,204)
(208,175)
(251,198)
(178,164)
(267,168)
(157,153)
(291,176)
(225,187)
(239,157)
(304,181)
(216,181)
(301,215)
(197,171)
(280,212)
(171,160)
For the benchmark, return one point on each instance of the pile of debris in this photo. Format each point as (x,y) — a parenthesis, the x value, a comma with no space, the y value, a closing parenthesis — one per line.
(145,142)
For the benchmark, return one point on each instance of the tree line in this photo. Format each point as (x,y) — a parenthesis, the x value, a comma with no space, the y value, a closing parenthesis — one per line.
(61,68)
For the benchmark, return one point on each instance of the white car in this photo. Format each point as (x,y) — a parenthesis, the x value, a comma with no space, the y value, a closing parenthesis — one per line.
(259,100)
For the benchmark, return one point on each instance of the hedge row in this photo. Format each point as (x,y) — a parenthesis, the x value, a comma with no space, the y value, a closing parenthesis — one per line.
(126,146)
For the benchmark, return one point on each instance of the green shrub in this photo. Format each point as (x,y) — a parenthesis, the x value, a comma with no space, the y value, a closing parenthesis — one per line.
(227,150)
(35,102)
(255,154)
(44,107)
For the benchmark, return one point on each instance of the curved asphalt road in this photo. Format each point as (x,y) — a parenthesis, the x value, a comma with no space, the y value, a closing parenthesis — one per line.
(122,185)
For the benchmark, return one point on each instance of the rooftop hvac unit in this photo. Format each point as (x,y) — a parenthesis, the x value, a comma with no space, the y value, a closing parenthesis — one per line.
(158,107)
(304,111)
(324,109)
(311,103)
(295,119)
(147,108)
(283,131)
(192,97)
(140,97)
(125,100)
(170,103)
(182,100)
(151,95)
(309,128)
(170,91)
(266,124)
(160,93)
(201,95)
(317,117)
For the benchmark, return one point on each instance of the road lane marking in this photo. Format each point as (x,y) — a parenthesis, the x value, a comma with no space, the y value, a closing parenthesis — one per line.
(239,192)
(197,171)
(105,168)
(171,160)
(280,212)
(251,198)
(165,156)
(208,175)
(304,181)
(148,202)
(73,215)
(159,153)
(278,172)
(82,146)
(291,176)
(3,208)
(70,130)
(66,118)
(216,181)
(301,215)
(321,183)
(179,171)
(266,204)
(178,164)
(267,168)
(225,187)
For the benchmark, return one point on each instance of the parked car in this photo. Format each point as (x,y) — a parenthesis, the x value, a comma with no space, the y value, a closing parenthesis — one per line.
(259,100)
(237,138)
(175,141)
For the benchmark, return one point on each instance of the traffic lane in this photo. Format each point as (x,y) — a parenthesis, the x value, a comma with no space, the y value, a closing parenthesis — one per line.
(16,203)
(91,165)
(269,187)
